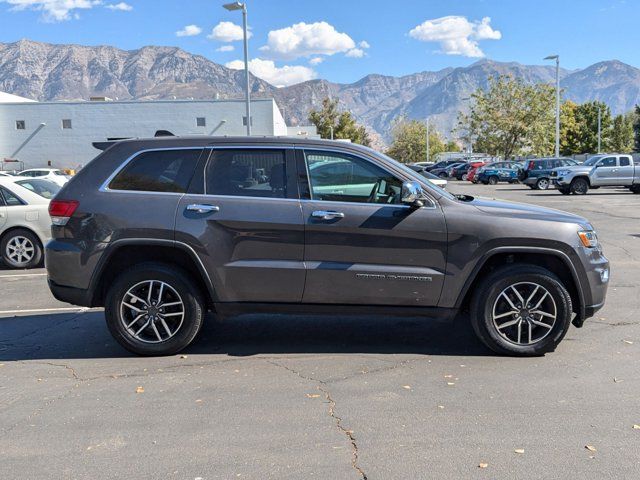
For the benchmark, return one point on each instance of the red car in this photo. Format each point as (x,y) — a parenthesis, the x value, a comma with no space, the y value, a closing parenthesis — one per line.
(474,168)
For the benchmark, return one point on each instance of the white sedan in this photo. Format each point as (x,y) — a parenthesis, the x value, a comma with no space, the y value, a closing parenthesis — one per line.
(25,225)
(52,174)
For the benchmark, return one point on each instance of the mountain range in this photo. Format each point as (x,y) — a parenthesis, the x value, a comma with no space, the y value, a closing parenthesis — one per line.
(46,72)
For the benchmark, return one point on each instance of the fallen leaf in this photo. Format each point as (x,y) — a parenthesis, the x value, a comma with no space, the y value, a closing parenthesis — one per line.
(140,390)
(483,465)
(617,380)
(450,383)
(407,387)
(519,450)
(628,342)
(199,400)
(636,427)
(312,395)
(591,448)
(441,407)
(183,356)
(448,376)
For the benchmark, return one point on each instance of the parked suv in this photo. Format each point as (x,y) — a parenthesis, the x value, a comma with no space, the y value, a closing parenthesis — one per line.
(537,172)
(160,231)
(496,172)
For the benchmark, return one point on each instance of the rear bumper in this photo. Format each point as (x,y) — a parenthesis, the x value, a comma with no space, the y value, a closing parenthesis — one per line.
(72,295)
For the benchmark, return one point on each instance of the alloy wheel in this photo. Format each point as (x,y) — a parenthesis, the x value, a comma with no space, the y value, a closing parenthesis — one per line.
(20,250)
(524,313)
(543,184)
(152,311)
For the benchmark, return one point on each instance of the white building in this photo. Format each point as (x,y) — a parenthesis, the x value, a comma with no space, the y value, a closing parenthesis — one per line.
(60,134)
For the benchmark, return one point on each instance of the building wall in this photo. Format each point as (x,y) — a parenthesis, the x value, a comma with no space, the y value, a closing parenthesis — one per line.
(97,121)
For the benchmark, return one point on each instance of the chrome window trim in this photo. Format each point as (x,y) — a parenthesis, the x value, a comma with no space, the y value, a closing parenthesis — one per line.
(374,163)
(105,185)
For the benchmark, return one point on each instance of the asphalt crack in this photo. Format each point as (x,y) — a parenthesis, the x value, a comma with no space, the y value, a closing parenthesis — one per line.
(323,387)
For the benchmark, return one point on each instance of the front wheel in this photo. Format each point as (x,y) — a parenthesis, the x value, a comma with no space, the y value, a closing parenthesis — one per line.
(21,249)
(579,186)
(464,177)
(542,184)
(635,189)
(521,310)
(493,180)
(154,309)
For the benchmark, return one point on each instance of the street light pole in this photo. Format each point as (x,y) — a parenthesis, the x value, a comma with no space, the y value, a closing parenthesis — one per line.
(557,59)
(247,95)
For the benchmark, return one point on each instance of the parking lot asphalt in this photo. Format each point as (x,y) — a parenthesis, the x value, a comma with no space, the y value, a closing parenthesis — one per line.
(327,397)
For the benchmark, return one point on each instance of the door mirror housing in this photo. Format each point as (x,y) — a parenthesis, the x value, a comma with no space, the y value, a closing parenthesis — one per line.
(412,193)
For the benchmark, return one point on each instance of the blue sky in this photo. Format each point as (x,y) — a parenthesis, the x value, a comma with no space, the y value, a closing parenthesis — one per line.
(294,40)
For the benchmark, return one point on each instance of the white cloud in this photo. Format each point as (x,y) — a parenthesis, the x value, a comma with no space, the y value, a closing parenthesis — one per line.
(123,7)
(305,40)
(227,32)
(189,31)
(53,10)
(364,44)
(226,48)
(316,61)
(456,35)
(355,53)
(278,76)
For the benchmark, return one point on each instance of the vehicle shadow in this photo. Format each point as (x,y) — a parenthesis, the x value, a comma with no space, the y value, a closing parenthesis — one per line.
(85,335)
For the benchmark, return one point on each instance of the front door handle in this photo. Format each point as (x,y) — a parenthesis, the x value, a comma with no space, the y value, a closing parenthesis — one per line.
(327,214)
(202,208)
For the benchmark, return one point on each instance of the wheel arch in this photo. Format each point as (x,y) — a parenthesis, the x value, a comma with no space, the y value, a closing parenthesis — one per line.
(554,260)
(123,254)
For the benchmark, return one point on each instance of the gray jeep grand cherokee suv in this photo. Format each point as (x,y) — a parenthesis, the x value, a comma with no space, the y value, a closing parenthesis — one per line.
(160,231)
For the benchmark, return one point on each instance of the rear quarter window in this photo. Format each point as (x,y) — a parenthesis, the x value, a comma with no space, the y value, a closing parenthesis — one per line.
(167,171)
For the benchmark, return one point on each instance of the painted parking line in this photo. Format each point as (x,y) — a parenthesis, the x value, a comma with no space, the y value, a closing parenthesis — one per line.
(24,275)
(49,310)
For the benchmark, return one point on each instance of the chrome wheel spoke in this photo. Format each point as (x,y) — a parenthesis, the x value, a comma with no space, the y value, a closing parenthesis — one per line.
(533,294)
(508,324)
(172,304)
(519,332)
(142,328)
(136,309)
(541,324)
(517,294)
(135,320)
(511,304)
(544,314)
(155,330)
(165,326)
(506,314)
(172,314)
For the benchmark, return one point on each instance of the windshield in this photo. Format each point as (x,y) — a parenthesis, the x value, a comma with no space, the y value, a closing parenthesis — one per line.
(44,188)
(412,173)
(593,160)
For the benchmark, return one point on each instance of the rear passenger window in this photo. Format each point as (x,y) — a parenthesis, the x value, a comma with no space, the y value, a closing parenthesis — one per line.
(158,171)
(9,199)
(247,173)
(625,162)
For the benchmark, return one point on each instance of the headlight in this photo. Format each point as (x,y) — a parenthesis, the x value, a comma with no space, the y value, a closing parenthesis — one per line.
(564,173)
(588,238)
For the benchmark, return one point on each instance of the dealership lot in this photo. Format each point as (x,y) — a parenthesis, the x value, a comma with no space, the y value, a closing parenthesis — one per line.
(327,397)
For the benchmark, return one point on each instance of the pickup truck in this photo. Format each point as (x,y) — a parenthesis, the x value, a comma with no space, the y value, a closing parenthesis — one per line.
(599,171)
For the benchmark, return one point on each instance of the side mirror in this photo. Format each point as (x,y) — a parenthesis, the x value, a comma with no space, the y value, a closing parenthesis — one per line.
(411,193)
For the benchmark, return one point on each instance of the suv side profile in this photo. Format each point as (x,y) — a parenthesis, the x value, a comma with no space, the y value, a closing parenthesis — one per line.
(160,231)
(537,172)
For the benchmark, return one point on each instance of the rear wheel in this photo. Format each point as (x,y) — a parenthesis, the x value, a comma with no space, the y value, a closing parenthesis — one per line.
(521,310)
(493,180)
(542,184)
(154,309)
(21,249)
(464,177)
(579,186)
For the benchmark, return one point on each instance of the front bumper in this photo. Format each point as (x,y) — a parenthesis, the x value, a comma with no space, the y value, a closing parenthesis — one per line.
(72,295)
(594,282)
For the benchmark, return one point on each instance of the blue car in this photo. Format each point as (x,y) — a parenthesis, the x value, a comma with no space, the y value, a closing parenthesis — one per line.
(493,173)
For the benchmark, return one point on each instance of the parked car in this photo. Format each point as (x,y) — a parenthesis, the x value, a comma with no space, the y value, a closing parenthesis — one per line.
(203,238)
(442,164)
(598,171)
(536,173)
(460,172)
(445,172)
(52,174)
(471,173)
(496,172)
(440,182)
(25,225)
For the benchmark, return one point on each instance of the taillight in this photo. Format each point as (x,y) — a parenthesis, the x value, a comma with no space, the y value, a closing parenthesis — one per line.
(60,211)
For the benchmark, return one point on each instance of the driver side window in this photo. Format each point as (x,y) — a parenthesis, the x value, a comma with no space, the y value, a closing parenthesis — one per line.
(341,177)
(608,162)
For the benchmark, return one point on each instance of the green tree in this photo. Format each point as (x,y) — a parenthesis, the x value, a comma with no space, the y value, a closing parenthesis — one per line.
(510,117)
(587,119)
(569,129)
(622,139)
(343,123)
(409,143)
(636,128)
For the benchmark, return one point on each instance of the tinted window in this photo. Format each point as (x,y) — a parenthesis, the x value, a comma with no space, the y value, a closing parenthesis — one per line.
(251,172)
(158,171)
(44,188)
(10,199)
(345,178)
(625,162)
(608,162)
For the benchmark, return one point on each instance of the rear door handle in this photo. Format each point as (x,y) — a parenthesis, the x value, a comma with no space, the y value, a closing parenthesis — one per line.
(202,208)
(327,214)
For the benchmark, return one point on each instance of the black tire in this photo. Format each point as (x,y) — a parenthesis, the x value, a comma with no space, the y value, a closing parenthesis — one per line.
(491,288)
(181,283)
(579,186)
(28,244)
(443,175)
(542,184)
(493,180)
(564,191)
(635,189)
(532,187)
